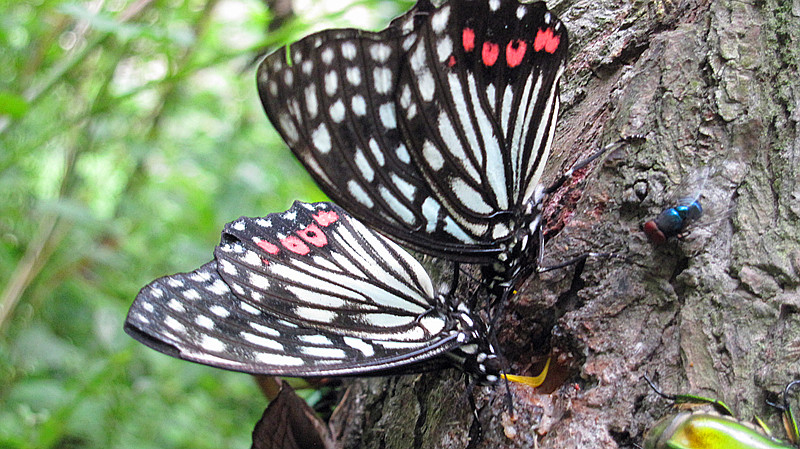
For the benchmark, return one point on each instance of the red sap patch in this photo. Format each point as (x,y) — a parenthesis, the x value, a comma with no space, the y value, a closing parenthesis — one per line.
(490,53)
(325,218)
(468,39)
(313,235)
(295,245)
(268,247)
(546,40)
(515,52)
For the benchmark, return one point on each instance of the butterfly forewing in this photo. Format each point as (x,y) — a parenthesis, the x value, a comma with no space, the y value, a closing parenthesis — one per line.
(433,131)
(478,98)
(195,316)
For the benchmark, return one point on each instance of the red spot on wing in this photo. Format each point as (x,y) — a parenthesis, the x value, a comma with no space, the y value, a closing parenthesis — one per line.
(451,61)
(515,52)
(653,233)
(268,247)
(325,218)
(295,245)
(490,53)
(468,39)
(546,40)
(313,235)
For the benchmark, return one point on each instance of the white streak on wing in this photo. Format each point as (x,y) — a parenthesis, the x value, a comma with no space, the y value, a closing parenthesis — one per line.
(387,320)
(311,103)
(517,142)
(405,188)
(505,111)
(258,281)
(430,210)
(378,248)
(376,152)
(397,207)
(359,193)
(219,311)
(444,49)
(432,155)
(363,166)
(454,146)
(315,314)
(462,99)
(323,353)
(261,341)
(432,324)
(316,339)
(426,84)
(337,111)
(470,197)
(551,112)
(266,330)
(278,359)
(452,228)
(495,164)
(361,345)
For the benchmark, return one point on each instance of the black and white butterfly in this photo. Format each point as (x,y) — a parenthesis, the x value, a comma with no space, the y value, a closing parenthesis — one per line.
(311,292)
(434,131)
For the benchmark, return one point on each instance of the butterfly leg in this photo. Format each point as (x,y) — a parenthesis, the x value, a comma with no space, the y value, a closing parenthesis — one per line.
(583,163)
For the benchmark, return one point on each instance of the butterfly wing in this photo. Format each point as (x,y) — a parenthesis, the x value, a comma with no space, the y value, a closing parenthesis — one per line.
(337,108)
(268,306)
(478,96)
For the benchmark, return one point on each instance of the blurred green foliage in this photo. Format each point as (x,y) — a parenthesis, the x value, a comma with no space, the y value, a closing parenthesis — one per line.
(130,133)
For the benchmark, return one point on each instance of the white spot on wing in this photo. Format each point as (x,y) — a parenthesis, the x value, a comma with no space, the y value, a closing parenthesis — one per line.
(382,77)
(211,344)
(327,55)
(321,138)
(337,111)
(331,83)
(349,50)
(219,311)
(386,112)
(204,321)
(311,101)
(439,21)
(359,105)
(353,76)
(380,52)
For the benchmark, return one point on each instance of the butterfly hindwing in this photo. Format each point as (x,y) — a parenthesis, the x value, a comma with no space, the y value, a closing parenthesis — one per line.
(195,316)
(315,265)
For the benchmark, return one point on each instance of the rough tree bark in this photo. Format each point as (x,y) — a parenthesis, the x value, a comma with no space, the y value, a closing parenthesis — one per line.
(711,82)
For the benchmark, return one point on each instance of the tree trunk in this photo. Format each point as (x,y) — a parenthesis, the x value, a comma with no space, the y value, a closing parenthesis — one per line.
(716,313)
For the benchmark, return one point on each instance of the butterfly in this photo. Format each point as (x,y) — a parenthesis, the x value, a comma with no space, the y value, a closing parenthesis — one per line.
(434,131)
(312,292)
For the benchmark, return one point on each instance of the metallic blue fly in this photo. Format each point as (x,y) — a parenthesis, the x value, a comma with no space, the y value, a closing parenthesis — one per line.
(673,221)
